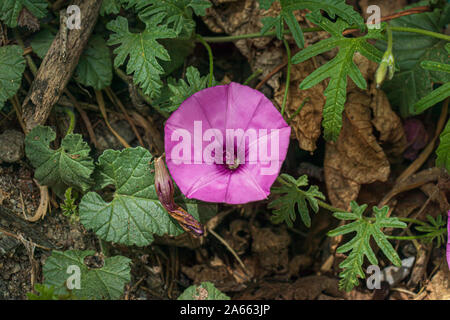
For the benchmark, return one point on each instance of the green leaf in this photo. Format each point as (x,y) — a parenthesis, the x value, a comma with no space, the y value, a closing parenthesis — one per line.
(337,69)
(265,4)
(68,166)
(110,7)
(433,98)
(135,213)
(359,246)
(443,150)
(182,90)
(106,282)
(95,67)
(47,293)
(294,197)
(12,66)
(204,291)
(10,10)
(143,50)
(179,50)
(176,14)
(41,42)
(413,82)
(332,7)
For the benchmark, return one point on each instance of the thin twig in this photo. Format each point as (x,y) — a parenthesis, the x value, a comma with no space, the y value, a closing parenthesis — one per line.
(229,249)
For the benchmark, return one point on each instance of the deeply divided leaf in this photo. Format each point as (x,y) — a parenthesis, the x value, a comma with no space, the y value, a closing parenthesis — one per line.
(143,50)
(293,199)
(359,246)
(10,10)
(337,69)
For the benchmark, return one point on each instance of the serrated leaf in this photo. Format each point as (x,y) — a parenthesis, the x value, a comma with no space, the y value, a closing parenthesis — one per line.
(68,166)
(337,69)
(106,282)
(110,7)
(12,66)
(135,213)
(47,293)
(412,82)
(332,7)
(204,291)
(10,10)
(359,245)
(182,90)
(143,50)
(94,68)
(176,14)
(443,150)
(294,199)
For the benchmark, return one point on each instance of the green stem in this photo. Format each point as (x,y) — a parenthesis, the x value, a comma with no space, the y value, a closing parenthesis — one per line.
(389,34)
(298,109)
(122,75)
(71,115)
(334,209)
(288,76)
(422,31)
(273,34)
(421,236)
(253,76)
(211,61)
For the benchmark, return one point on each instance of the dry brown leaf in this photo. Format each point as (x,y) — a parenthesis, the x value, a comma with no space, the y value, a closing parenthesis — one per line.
(307,124)
(355,158)
(439,286)
(243,17)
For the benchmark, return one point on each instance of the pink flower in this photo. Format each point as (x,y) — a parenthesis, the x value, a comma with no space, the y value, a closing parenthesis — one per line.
(448,239)
(226,144)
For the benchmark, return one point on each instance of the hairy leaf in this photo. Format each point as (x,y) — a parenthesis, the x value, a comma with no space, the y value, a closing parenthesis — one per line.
(12,66)
(110,7)
(176,14)
(95,68)
(204,291)
(10,10)
(182,90)
(443,150)
(68,166)
(438,94)
(143,50)
(359,245)
(413,82)
(106,282)
(337,69)
(135,213)
(293,198)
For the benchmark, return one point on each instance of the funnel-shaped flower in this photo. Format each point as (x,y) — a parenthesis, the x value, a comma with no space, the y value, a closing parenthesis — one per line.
(226,144)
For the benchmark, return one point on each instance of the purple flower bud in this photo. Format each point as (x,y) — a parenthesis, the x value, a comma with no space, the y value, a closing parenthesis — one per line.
(416,136)
(164,185)
(165,190)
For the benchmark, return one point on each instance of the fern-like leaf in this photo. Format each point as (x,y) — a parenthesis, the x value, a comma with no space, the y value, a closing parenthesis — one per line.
(332,7)
(337,69)
(292,197)
(359,246)
(143,49)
